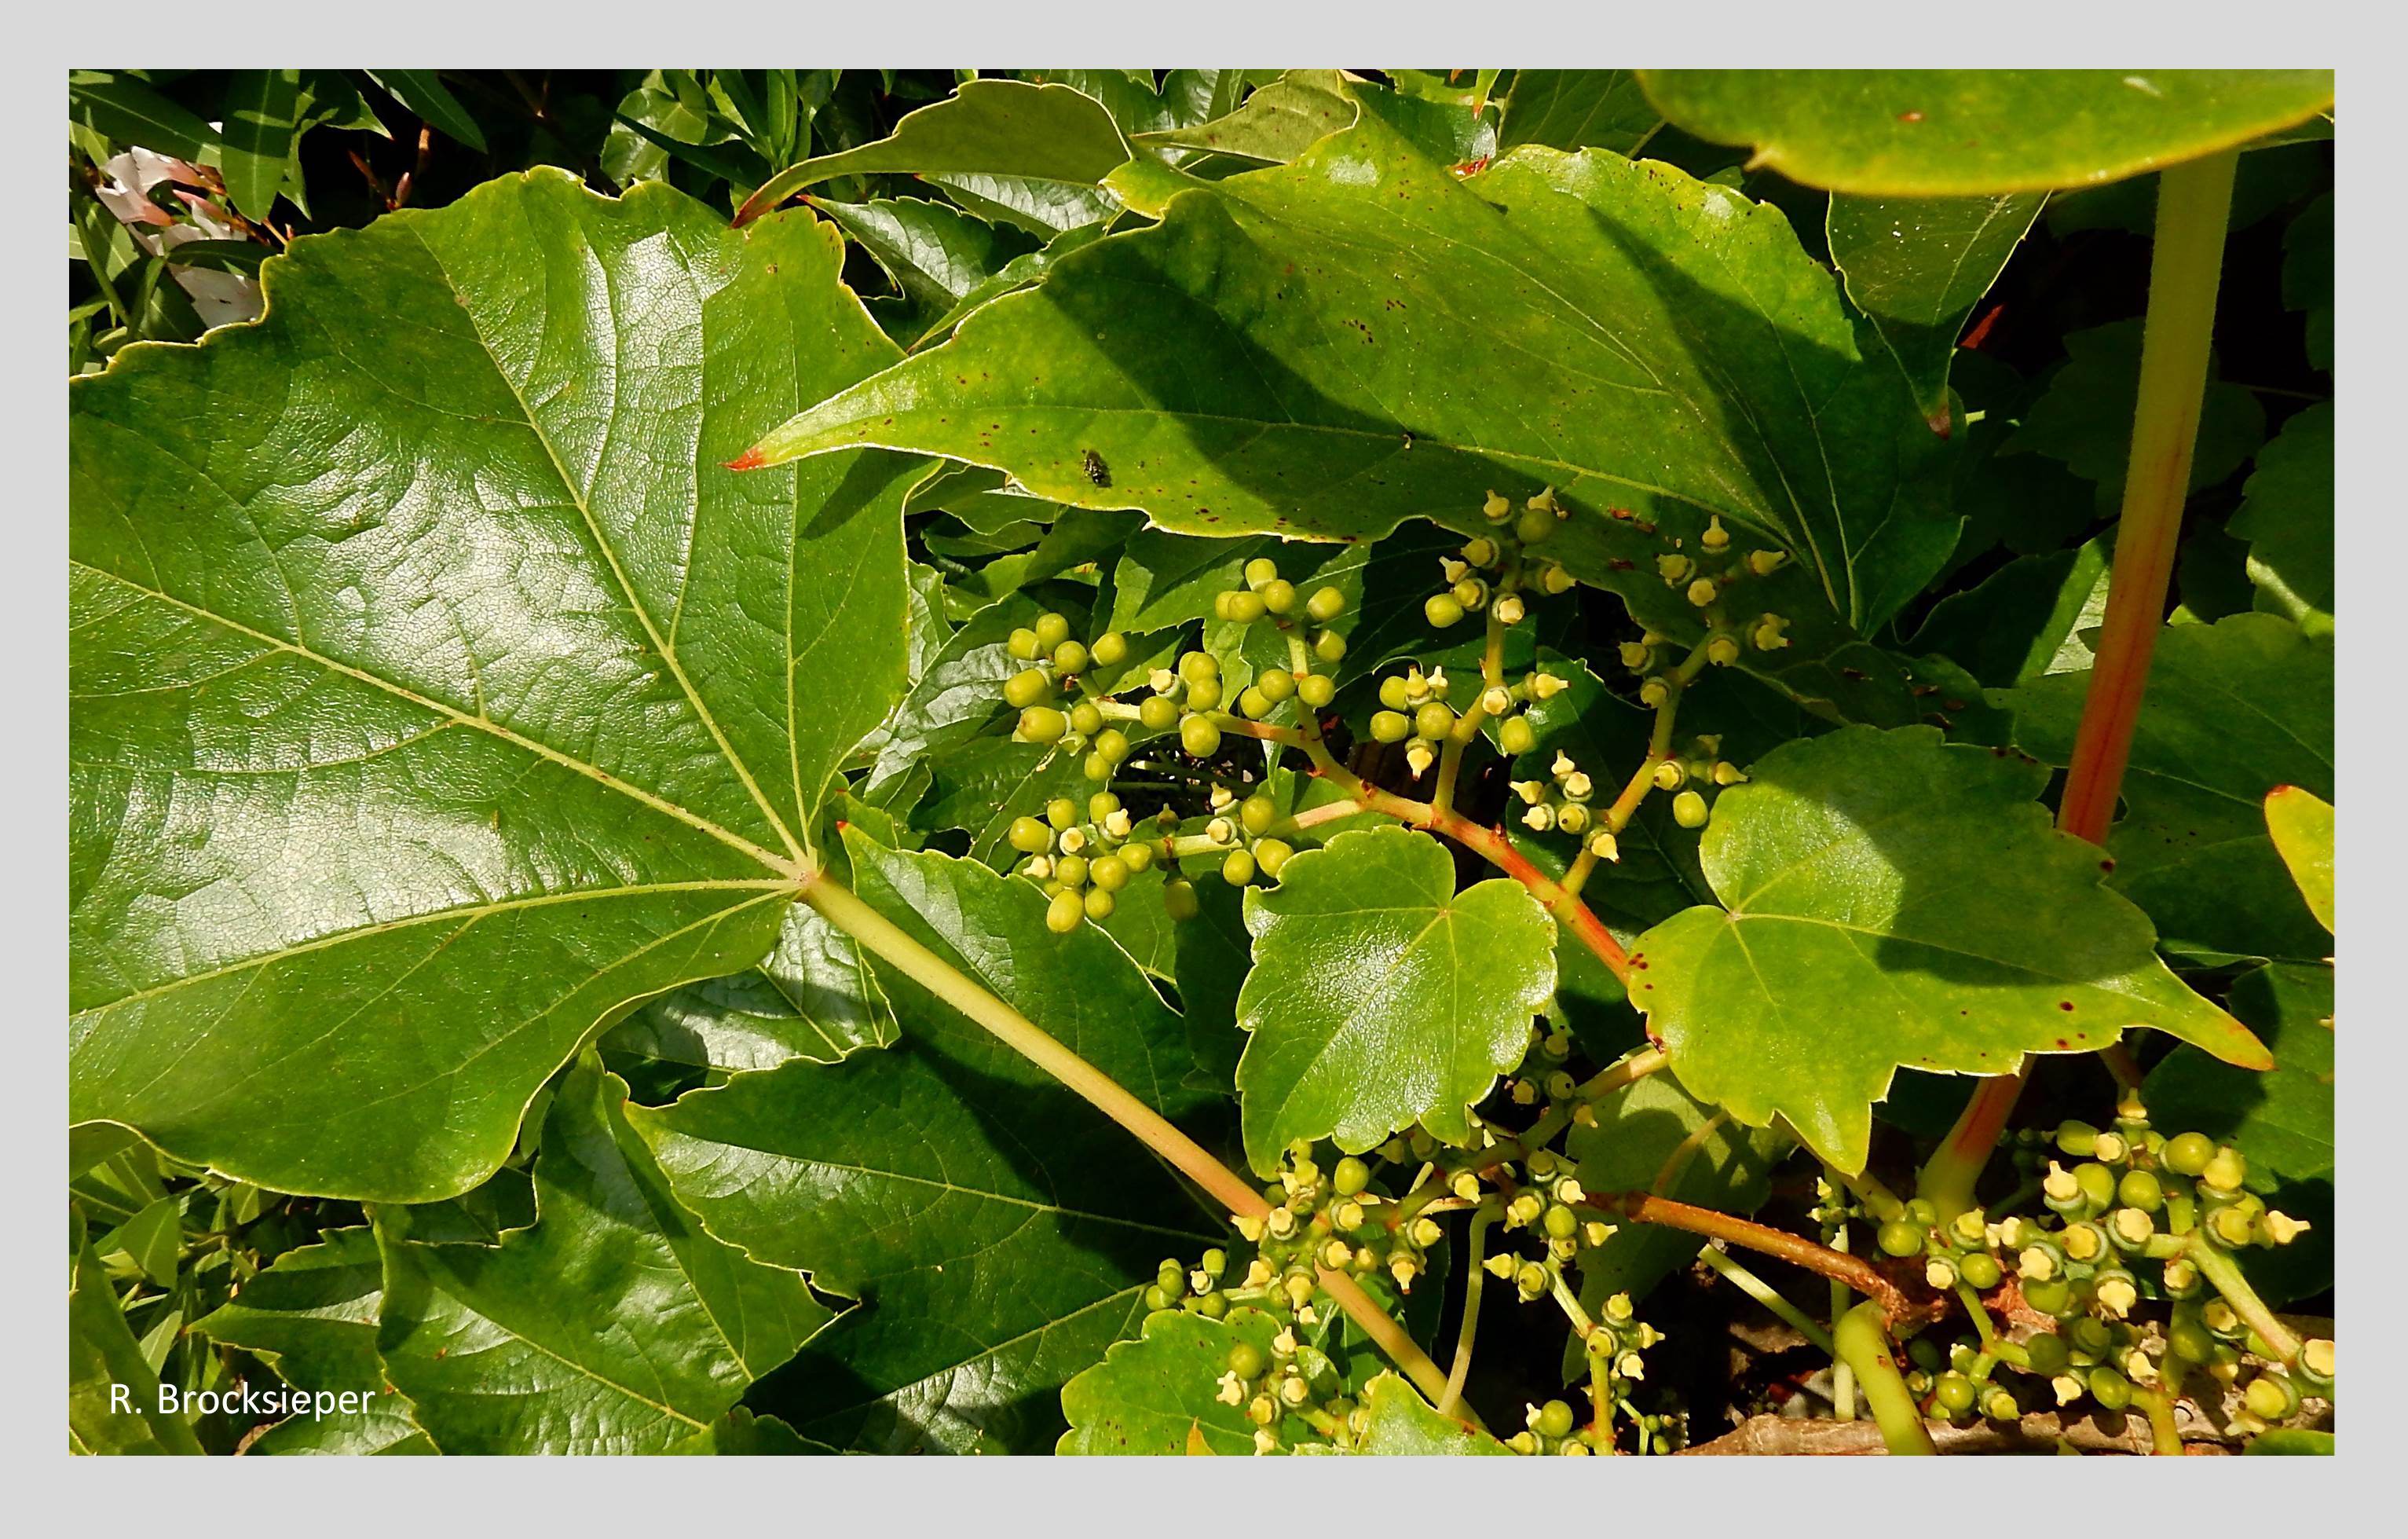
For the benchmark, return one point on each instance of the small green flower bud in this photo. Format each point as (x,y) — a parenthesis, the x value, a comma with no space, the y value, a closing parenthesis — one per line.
(1443,610)
(1668,775)
(1111,649)
(1051,630)
(1675,567)
(1239,869)
(1391,726)
(1062,917)
(1270,855)
(1243,608)
(1434,721)
(1200,736)
(1689,810)
(1086,719)
(1030,836)
(1326,604)
(1722,651)
(2187,1153)
(1158,712)
(1022,646)
(1980,1269)
(1279,596)
(1042,724)
(1516,736)
(1026,687)
(1536,527)
(1330,646)
(1316,690)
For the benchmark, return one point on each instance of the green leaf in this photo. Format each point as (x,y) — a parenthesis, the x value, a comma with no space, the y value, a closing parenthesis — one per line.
(613,1326)
(262,122)
(998,1230)
(437,699)
(813,997)
(2282,1121)
(935,253)
(1917,267)
(2308,276)
(1276,123)
(2231,710)
(2293,1440)
(2300,824)
(122,107)
(2084,420)
(1976,133)
(1161,1393)
(2024,620)
(383,1429)
(1890,901)
(960,691)
(312,1315)
(1655,1136)
(1381,996)
(106,1368)
(1577,108)
(423,93)
(984,783)
(1405,1425)
(1325,349)
(742,1434)
(2286,515)
(1021,147)
(1210,965)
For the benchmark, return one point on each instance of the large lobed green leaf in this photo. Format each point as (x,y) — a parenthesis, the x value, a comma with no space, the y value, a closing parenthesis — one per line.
(998,1231)
(435,695)
(1324,349)
(1917,267)
(1889,901)
(1972,132)
(2232,711)
(614,1325)
(1381,996)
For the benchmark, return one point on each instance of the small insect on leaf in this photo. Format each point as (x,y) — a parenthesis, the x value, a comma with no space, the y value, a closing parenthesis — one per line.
(1097,471)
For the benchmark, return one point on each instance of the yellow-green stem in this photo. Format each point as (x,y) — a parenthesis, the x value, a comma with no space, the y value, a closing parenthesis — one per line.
(842,908)
(1863,1344)
(1451,1392)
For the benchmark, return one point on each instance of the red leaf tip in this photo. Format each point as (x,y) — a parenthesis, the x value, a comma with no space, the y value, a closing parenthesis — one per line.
(752,459)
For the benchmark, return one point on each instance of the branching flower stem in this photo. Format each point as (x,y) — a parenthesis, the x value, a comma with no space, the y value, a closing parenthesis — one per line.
(2194,205)
(842,908)
(1862,1342)
(1855,1271)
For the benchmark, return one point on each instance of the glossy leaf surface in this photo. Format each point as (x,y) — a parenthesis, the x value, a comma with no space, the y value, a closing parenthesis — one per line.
(1381,995)
(1917,267)
(1970,133)
(1891,901)
(998,1230)
(435,698)
(1161,1393)
(2300,824)
(614,1325)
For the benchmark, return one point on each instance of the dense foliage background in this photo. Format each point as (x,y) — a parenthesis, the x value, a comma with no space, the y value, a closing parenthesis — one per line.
(2021,352)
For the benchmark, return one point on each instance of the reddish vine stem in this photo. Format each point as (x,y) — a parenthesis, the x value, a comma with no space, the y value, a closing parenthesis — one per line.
(1855,1271)
(2194,202)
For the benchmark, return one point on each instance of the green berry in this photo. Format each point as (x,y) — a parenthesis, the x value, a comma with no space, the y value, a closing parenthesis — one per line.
(1561,1223)
(1030,836)
(1051,631)
(1277,685)
(1272,854)
(1351,1176)
(1330,646)
(1555,1418)
(1252,703)
(1179,897)
(2140,1189)
(1203,694)
(1200,736)
(1278,595)
(1023,645)
(2187,1153)
(1061,811)
(1239,869)
(1026,688)
(1515,734)
(1689,810)
(1899,1238)
(1258,814)
(1246,1361)
(1085,719)
(1108,872)
(1063,915)
(1953,1393)
(1261,572)
(1113,743)
(1395,695)
(1317,690)
(2077,1139)
(2110,1389)
(1071,870)
(1980,1270)
(1158,713)
(1243,608)
(1434,721)
(1196,666)
(1042,724)
(1922,1214)
(2052,1297)
(1326,604)
(1535,526)
(1391,726)
(1069,657)
(1099,904)
(2048,1354)
(2097,1184)
(1111,649)
(1443,610)
(1137,857)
